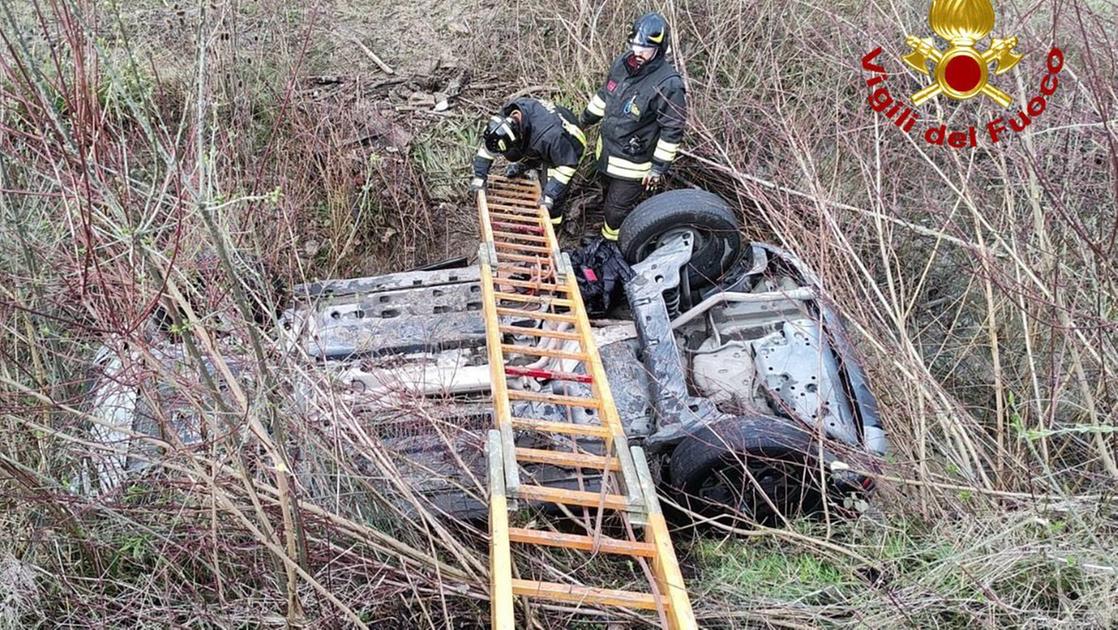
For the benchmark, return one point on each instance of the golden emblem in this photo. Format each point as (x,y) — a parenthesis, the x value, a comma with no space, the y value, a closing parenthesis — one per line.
(961,72)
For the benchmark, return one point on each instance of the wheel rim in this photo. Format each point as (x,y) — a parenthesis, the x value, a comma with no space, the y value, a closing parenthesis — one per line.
(701,241)
(698,241)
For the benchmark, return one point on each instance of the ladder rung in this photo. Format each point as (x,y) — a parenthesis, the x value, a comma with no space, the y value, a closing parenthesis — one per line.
(538,315)
(514,371)
(511,200)
(539,260)
(525,189)
(534,299)
(524,214)
(516,223)
(520,247)
(518,271)
(539,332)
(518,184)
(521,266)
(533,351)
(567,459)
(512,182)
(541,271)
(505,235)
(520,230)
(526,237)
(555,399)
(564,428)
(539,286)
(582,543)
(582,498)
(519,219)
(584,594)
(518,280)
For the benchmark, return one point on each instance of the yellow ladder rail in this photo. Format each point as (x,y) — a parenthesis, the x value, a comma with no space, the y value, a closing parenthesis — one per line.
(522,269)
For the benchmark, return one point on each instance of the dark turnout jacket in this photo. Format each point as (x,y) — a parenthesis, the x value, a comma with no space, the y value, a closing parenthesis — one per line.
(643,114)
(551,137)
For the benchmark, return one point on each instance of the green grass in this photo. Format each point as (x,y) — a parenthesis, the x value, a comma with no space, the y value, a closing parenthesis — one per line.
(941,574)
(754,570)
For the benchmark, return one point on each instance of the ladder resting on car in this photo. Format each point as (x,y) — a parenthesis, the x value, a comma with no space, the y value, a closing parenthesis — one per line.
(525,279)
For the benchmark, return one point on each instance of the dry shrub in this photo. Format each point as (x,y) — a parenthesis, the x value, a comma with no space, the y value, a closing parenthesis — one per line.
(978,283)
(254,494)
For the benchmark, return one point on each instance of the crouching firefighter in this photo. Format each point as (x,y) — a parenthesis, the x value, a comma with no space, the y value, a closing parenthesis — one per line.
(642,108)
(531,134)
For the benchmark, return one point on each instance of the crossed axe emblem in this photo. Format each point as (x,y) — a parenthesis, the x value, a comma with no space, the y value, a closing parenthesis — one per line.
(962,71)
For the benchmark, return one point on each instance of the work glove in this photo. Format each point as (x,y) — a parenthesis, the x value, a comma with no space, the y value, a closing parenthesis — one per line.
(516,169)
(477,184)
(654,180)
(547,203)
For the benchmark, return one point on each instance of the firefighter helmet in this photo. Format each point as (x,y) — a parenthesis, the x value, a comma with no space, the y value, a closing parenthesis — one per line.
(650,30)
(502,134)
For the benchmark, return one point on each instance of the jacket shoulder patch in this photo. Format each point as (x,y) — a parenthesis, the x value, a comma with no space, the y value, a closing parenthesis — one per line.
(611,85)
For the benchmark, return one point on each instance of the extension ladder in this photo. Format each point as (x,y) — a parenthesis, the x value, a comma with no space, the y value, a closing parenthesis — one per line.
(525,278)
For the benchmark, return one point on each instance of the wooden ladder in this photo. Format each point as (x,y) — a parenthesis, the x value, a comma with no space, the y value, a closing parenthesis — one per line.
(525,279)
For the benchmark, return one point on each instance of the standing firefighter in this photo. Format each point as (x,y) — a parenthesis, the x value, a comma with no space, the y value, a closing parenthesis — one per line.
(642,109)
(531,133)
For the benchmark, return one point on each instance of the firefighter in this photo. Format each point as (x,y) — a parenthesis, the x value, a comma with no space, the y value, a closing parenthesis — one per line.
(642,108)
(531,133)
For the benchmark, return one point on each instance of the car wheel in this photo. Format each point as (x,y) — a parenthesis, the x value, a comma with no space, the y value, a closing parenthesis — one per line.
(754,468)
(715,230)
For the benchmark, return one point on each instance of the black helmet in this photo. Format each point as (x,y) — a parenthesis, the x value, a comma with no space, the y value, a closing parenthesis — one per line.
(502,134)
(650,29)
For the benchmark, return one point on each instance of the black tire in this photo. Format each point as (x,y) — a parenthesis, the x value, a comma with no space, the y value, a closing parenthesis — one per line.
(718,235)
(708,470)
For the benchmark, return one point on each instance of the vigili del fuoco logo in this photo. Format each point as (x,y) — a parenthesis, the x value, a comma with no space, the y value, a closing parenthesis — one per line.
(961,71)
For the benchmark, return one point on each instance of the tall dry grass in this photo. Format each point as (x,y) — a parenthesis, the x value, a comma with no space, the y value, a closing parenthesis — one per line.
(129,194)
(978,284)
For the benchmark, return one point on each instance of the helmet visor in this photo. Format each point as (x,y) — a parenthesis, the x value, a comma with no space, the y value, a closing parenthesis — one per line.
(644,51)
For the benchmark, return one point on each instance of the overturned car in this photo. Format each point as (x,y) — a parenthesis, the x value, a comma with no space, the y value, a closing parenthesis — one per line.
(724,362)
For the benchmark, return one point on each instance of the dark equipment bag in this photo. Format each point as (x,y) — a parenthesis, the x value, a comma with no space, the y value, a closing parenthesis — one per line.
(602,272)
